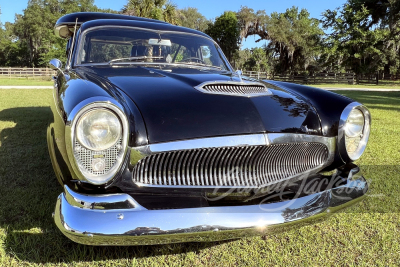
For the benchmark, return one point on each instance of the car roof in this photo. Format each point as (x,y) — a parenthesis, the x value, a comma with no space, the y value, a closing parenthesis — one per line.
(64,27)
(140,24)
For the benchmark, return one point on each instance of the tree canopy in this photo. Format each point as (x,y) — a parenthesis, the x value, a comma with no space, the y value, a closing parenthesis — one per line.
(154,9)
(30,41)
(292,36)
(226,33)
(361,36)
(191,18)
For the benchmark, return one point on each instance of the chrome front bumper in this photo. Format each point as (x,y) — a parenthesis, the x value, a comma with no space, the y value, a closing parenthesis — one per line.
(119,220)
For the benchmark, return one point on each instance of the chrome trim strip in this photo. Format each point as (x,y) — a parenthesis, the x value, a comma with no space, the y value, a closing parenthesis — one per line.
(101,202)
(138,153)
(219,141)
(200,88)
(149,227)
(341,133)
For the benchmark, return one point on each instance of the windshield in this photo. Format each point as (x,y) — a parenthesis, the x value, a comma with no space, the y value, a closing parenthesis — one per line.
(138,46)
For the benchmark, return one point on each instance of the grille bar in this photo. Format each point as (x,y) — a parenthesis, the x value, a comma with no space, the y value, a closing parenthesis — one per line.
(230,166)
(234,88)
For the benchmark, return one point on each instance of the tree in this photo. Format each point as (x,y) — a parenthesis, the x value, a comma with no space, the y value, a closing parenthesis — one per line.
(253,23)
(12,52)
(191,18)
(34,32)
(226,33)
(294,38)
(154,9)
(257,61)
(384,12)
(364,49)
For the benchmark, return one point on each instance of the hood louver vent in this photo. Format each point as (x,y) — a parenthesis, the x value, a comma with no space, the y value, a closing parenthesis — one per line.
(245,89)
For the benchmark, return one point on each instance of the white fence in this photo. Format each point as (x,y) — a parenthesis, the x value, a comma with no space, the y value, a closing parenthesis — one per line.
(316,78)
(327,77)
(26,72)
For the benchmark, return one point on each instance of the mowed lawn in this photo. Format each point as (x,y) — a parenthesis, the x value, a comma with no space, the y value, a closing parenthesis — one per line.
(25,81)
(366,234)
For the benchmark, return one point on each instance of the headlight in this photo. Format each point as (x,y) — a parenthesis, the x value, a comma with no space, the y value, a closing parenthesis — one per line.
(354,129)
(98,129)
(355,123)
(98,134)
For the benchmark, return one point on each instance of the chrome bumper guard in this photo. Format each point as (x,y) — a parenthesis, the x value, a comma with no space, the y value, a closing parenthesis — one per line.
(119,220)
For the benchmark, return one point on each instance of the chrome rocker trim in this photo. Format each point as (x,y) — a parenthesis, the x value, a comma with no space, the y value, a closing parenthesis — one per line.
(139,226)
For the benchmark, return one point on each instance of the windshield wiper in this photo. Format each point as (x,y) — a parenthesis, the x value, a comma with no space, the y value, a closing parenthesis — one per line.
(198,64)
(133,58)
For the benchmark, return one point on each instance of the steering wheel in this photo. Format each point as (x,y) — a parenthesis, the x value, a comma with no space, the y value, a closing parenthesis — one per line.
(195,58)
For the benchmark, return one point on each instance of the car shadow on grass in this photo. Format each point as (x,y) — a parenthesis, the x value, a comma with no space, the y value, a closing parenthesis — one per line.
(28,193)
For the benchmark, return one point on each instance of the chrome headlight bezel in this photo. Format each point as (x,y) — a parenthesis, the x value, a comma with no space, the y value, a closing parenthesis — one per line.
(364,136)
(70,137)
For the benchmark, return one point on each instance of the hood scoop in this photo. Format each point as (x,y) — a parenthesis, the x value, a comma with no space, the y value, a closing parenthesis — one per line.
(246,89)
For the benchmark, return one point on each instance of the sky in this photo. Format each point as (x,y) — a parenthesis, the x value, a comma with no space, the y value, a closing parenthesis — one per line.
(209,8)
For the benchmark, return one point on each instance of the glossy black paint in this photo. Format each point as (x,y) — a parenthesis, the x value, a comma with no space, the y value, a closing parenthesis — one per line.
(162,105)
(174,110)
(81,17)
(145,24)
(328,105)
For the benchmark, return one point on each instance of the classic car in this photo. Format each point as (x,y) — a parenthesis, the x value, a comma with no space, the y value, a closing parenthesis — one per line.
(157,139)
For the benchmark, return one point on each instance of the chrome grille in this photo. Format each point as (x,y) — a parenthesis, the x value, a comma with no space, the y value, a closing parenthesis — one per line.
(85,156)
(230,166)
(234,88)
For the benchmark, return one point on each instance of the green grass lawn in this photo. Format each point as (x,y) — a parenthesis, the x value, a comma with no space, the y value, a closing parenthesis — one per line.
(370,86)
(24,81)
(366,234)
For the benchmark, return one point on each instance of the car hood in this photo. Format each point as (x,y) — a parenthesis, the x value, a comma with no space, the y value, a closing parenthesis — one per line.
(173,110)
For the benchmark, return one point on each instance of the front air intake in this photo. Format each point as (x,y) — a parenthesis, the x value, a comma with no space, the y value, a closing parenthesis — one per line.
(230,166)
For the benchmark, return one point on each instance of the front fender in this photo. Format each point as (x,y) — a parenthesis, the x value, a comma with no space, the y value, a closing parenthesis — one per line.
(329,105)
(73,92)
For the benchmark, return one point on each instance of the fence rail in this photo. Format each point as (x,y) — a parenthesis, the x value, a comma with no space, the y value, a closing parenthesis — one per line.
(26,72)
(317,78)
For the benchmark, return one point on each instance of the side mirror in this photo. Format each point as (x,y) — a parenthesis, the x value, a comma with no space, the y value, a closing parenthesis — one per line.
(55,64)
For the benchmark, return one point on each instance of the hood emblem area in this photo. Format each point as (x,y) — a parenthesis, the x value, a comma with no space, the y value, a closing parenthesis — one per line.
(245,89)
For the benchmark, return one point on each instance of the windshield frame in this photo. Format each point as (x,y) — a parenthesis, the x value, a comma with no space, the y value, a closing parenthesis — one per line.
(83,34)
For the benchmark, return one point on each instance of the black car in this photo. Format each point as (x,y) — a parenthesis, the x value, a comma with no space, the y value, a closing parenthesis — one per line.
(156,139)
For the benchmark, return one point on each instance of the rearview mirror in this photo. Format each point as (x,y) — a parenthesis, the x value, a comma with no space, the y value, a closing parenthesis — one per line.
(55,64)
(164,42)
